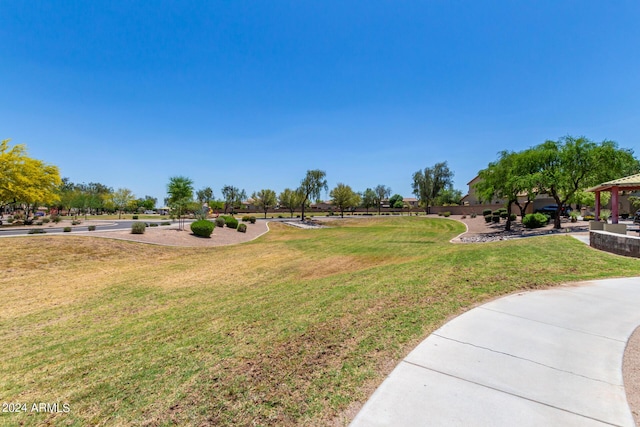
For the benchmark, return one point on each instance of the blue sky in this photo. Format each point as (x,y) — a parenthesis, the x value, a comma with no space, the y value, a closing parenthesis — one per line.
(255,93)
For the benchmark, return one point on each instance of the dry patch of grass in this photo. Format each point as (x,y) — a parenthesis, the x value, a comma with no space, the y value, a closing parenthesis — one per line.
(290,329)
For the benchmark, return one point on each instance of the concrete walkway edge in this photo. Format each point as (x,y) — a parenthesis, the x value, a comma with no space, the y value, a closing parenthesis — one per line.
(550,357)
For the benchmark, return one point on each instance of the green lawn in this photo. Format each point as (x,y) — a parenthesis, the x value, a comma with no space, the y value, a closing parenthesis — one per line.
(289,329)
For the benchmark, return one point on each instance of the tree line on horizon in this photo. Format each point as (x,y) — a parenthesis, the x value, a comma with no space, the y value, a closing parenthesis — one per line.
(562,168)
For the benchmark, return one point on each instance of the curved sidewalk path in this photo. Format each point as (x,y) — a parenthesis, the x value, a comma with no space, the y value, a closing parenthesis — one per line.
(550,357)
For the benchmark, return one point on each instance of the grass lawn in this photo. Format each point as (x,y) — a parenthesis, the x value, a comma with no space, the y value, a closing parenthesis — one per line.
(289,329)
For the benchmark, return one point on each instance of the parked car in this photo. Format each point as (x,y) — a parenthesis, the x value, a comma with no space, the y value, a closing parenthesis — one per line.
(149,212)
(552,210)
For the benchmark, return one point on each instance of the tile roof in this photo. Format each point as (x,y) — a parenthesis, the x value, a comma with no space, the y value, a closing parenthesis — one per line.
(631,182)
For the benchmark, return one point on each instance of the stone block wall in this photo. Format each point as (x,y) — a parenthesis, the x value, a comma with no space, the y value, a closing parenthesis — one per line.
(615,243)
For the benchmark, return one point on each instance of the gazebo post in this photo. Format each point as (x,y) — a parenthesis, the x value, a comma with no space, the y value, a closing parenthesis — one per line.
(614,205)
(597,206)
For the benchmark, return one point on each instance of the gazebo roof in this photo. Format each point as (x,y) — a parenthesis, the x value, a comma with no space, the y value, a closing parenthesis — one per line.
(631,182)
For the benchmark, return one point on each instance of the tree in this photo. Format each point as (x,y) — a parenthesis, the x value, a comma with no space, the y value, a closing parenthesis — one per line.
(448,197)
(571,164)
(290,199)
(121,198)
(428,184)
(344,197)
(233,197)
(368,199)
(204,195)
(180,190)
(501,179)
(396,202)
(311,186)
(264,199)
(147,203)
(382,193)
(26,180)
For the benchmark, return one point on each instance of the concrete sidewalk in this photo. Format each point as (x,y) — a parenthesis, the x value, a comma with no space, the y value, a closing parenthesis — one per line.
(551,357)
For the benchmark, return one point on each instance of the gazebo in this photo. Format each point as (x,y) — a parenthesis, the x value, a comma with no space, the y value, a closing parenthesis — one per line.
(628,183)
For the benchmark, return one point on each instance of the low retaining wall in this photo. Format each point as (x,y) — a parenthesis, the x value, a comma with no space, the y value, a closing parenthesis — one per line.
(615,243)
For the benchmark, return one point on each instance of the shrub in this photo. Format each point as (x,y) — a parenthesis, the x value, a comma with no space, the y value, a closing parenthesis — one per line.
(67,229)
(242,228)
(446,214)
(252,219)
(28,222)
(245,218)
(220,222)
(495,218)
(135,217)
(202,228)
(39,223)
(153,224)
(10,220)
(231,222)
(486,212)
(36,231)
(56,218)
(138,227)
(46,220)
(165,223)
(497,212)
(92,228)
(280,216)
(512,217)
(75,222)
(473,215)
(535,220)
(504,214)
(487,218)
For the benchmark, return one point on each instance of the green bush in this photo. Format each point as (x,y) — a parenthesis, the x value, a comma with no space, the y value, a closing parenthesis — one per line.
(138,228)
(446,214)
(76,222)
(242,228)
(252,219)
(36,231)
(92,228)
(487,218)
(513,217)
(67,229)
(135,217)
(165,223)
(535,220)
(245,218)
(504,214)
(486,212)
(220,222)
(46,220)
(153,224)
(231,222)
(56,218)
(497,212)
(202,228)
(495,218)
(473,215)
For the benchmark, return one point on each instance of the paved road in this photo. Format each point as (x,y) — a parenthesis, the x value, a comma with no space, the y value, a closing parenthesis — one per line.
(100,225)
(544,358)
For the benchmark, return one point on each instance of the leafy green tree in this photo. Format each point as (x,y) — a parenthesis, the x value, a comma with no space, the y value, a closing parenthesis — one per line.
(344,197)
(204,195)
(146,204)
(449,197)
(233,197)
(291,199)
(429,183)
(26,180)
(264,199)
(180,191)
(572,164)
(121,198)
(396,202)
(501,179)
(382,193)
(368,199)
(311,186)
